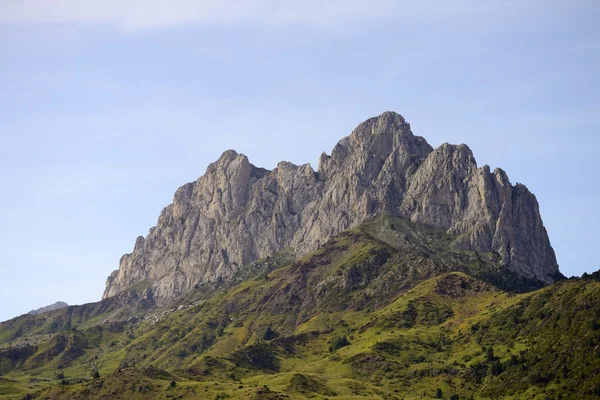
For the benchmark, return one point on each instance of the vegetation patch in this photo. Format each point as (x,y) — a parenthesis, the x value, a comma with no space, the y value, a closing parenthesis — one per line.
(259,356)
(387,310)
(306,384)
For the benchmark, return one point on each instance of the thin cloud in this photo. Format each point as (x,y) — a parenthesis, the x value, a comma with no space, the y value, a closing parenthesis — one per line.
(149,14)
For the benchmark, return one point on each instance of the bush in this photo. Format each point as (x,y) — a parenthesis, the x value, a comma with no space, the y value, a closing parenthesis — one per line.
(258,356)
(480,371)
(338,342)
(268,333)
(496,368)
(182,354)
(489,354)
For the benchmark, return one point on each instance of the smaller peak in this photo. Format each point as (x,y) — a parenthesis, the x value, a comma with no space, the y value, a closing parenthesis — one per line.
(387,124)
(520,187)
(386,119)
(52,307)
(323,161)
(139,243)
(466,149)
(229,158)
(501,176)
(456,147)
(456,151)
(228,155)
(286,165)
(499,172)
(391,115)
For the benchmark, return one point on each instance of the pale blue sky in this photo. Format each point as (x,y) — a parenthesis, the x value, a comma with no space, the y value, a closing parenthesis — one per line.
(108,106)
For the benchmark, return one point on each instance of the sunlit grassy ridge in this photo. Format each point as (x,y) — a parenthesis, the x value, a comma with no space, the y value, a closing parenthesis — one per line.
(388,310)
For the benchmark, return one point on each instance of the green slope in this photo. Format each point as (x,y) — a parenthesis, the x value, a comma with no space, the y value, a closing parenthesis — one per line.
(388,310)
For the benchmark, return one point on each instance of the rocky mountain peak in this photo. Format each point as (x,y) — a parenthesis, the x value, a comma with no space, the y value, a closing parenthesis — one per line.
(387,123)
(229,160)
(237,213)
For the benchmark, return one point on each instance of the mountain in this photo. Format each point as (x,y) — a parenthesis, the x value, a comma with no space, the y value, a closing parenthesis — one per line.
(238,213)
(390,309)
(51,307)
(394,271)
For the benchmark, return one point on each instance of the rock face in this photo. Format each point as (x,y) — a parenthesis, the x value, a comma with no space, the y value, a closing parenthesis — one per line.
(237,213)
(56,306)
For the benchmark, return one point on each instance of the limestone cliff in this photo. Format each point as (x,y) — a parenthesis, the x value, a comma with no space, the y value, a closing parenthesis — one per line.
(237,213)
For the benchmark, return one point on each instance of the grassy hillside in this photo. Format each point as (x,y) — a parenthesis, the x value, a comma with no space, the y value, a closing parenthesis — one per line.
(385,311)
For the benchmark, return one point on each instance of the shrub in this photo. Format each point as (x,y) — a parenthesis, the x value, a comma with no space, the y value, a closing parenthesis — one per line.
(496,368)
(338,342)
(268,333)
(489,354)
(182,354)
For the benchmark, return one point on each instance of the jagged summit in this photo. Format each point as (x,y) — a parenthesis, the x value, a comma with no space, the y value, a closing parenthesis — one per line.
(237,212)
(385,119)
(388,122)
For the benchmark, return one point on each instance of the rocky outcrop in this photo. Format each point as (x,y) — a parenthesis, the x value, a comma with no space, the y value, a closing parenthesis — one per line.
(237,213)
